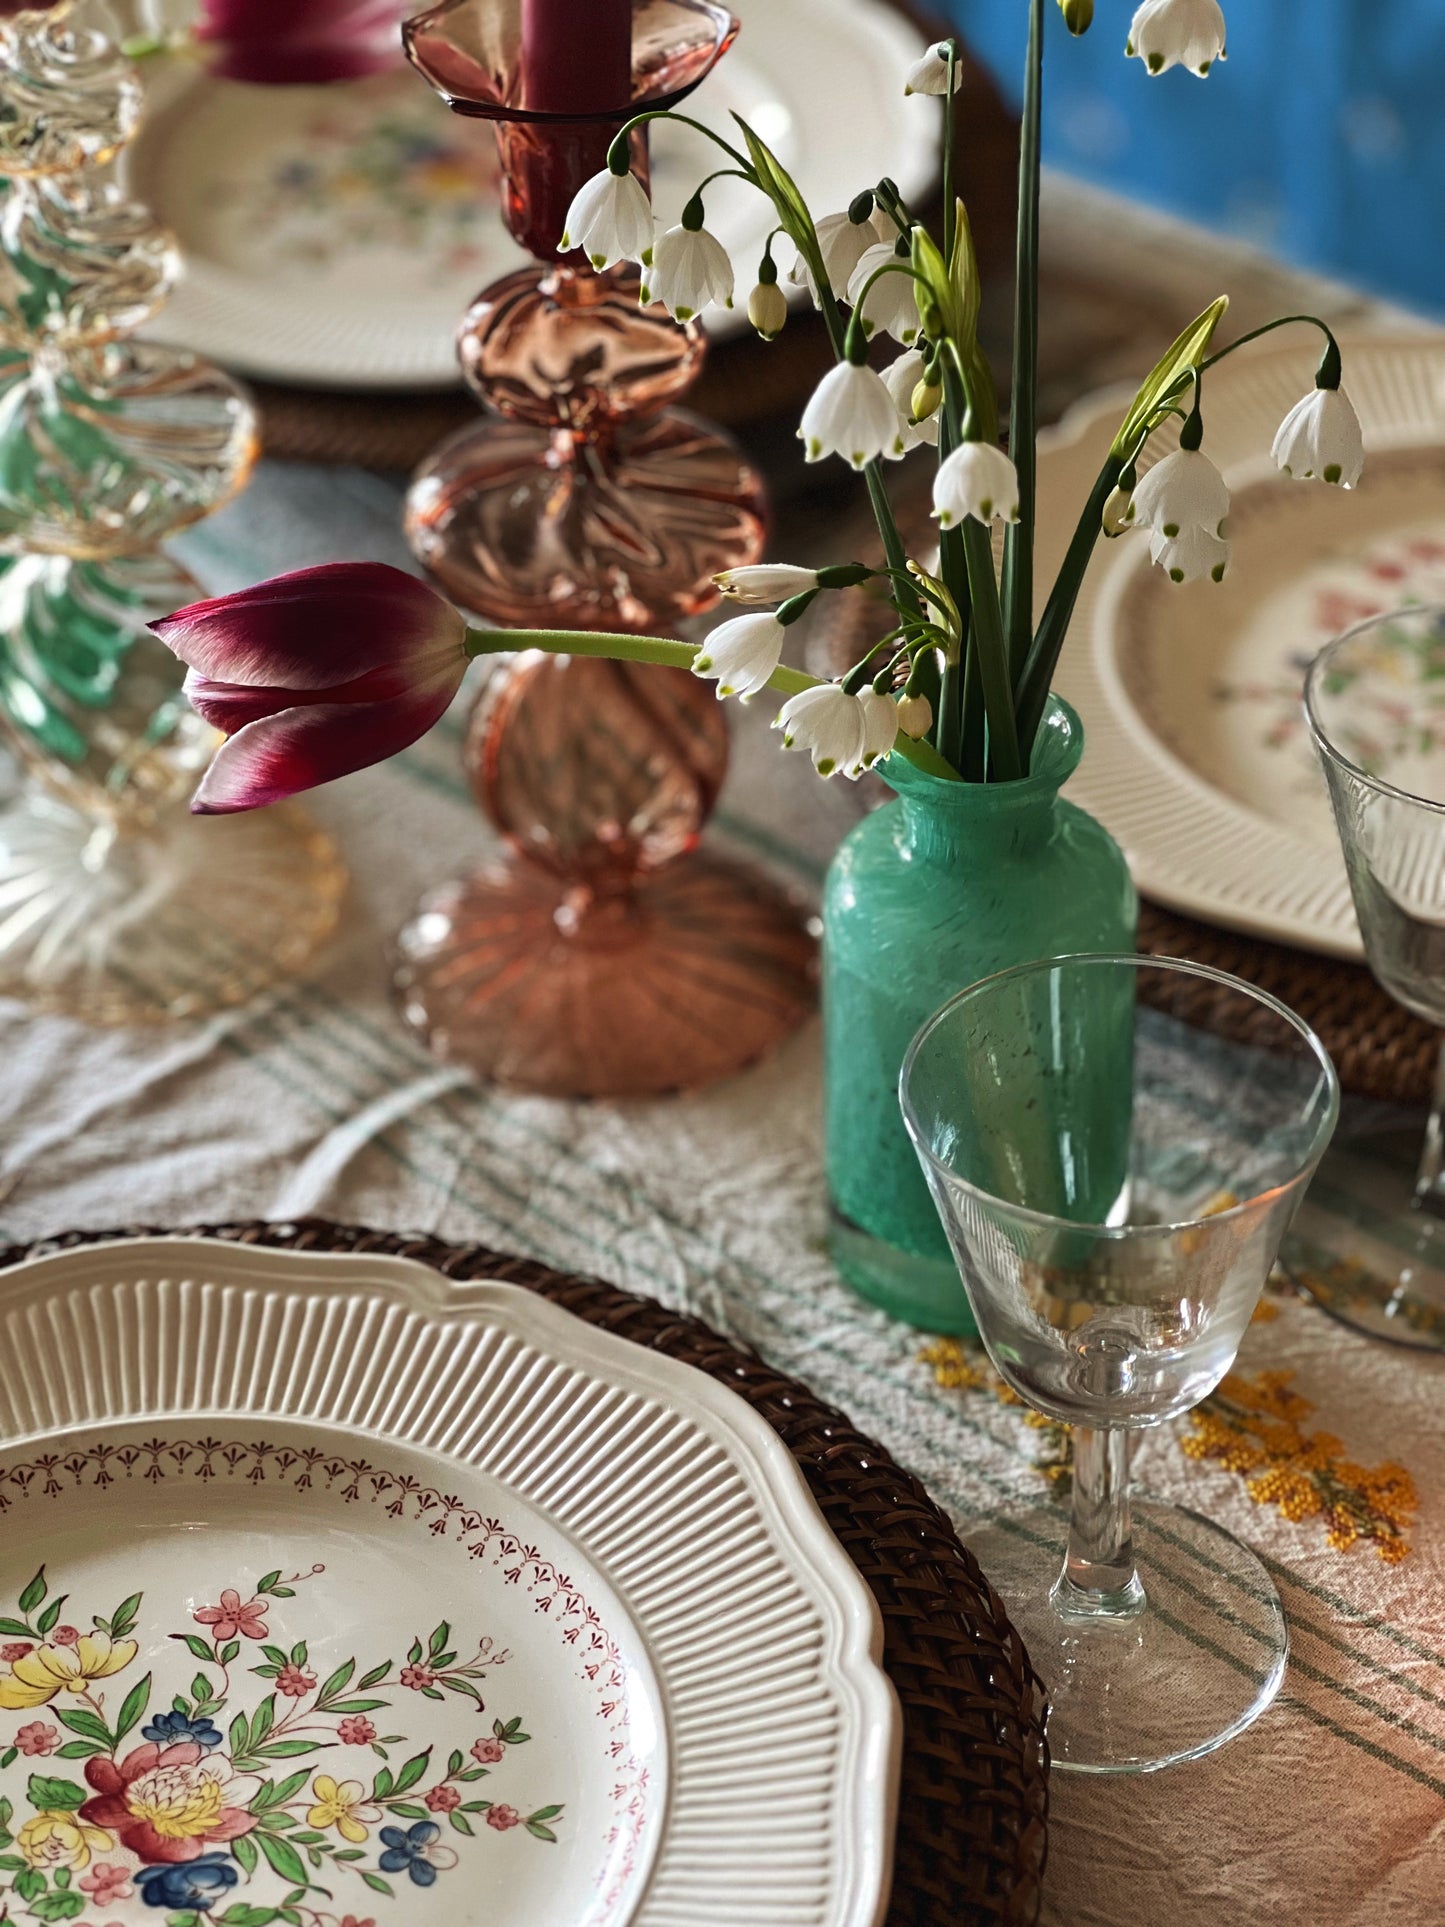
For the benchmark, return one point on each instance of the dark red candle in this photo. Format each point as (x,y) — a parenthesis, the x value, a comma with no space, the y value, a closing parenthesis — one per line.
(577,56)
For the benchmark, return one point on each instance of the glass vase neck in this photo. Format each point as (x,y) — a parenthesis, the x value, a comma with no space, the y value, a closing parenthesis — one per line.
(945,823)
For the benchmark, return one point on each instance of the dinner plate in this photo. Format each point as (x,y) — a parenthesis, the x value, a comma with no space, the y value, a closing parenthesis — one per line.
(1197,757)
(331,1590)
(335,235)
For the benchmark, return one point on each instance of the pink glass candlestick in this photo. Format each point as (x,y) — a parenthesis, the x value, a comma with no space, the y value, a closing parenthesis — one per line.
(600,954)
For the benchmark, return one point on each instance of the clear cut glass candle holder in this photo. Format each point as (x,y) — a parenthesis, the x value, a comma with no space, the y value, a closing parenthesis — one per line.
(1369,1244)
(1116,1146)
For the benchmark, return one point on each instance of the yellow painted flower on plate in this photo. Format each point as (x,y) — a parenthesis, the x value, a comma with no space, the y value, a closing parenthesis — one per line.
(337,1806)
(60,1840)
(35,1678)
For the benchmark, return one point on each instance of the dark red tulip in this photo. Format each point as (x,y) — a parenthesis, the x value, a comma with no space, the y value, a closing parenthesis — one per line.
(313,675)
(278,43)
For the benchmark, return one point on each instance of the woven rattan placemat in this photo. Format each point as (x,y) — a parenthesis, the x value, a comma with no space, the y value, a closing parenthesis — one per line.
(973,1805)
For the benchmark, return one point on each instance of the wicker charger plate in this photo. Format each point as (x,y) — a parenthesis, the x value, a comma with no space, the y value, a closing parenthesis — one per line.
(973,1804)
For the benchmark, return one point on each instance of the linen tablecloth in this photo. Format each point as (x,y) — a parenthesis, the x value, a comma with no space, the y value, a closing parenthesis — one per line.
(1323,1452)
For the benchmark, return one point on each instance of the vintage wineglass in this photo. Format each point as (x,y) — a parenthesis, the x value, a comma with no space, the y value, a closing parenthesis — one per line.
(1116,1146)
(1369,1243)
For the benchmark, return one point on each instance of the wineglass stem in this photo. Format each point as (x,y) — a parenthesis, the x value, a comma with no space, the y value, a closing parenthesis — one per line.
(1430,1180)
(1098,1580)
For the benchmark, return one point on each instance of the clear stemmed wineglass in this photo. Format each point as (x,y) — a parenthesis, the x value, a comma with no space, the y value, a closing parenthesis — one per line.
(1116,1146)
(1369,1243)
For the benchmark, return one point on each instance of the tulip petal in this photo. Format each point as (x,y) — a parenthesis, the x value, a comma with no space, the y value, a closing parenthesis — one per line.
(279,755)
(313,627)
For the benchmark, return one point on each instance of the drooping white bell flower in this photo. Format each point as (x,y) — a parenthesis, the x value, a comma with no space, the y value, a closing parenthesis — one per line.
(977,479)
(766,582)
(915,716)
(901,378)
(880,730)
(826,721)
(929,75)
(841,241)
(1177,33)
(768,309)
(851,414)
(1321,439)
(611,220)
(741,654)
(1190,555)
(892,302)
(1184,491)
(690,271)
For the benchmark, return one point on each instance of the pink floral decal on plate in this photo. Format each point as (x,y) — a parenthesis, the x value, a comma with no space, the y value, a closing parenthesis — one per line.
(217,1806)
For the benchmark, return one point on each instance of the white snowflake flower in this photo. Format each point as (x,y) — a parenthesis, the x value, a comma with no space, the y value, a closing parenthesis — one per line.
(841,242)
(1321,439)
(977,479)
(1183,491)
(929,75)
(690,271)
(851,414)
(892,302)
(741,654)
(766,582)
(826,721)
(901,378)
(880,730)
(611,220)
(1195,552)
(1177,33)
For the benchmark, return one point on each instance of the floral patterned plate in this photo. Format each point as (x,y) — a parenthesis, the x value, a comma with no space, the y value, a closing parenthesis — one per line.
(1198,759)
(332,1593)
(334,235)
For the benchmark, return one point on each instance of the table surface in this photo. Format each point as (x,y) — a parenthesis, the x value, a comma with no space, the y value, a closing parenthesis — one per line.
(1329,1812)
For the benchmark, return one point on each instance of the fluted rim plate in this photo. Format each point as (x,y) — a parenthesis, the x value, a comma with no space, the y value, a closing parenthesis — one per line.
(334,236)
(1197,757)
(275,1527)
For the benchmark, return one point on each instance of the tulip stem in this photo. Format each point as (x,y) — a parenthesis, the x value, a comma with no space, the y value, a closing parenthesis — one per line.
(670,654)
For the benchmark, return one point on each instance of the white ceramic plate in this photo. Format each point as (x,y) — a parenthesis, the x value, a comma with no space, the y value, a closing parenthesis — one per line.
(327,1584)
(335,235)
(1196,753)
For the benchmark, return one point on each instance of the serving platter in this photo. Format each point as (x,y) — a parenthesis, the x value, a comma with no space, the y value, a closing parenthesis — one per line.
(1197,758)
(329,1585)
(333,236)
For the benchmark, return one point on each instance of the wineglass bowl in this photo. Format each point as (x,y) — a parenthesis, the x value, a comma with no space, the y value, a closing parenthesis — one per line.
(1116,1146)
(1369,1243)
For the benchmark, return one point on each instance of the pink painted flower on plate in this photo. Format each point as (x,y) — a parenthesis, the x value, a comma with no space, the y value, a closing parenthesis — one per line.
(37,1738)
(356,1732)
(235,1618)
(487,1752)
(313,675)
(417,1677)
(65,1636)
(276,44)
(442,1799)
(503,1818)
(105,1883)
(16,1650)
(295,1682)
(167,1804)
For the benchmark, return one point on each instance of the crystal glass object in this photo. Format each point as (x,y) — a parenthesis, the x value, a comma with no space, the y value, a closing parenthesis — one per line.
(585,498)
(114,905)
(602,954)
(1370,1241)
(1115,1147)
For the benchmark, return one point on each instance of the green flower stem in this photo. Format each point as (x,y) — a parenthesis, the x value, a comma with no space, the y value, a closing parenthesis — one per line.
(1018,552)
(950,210)
(1038,674)
(991,647)
(1268,328)
(670,654)
(622,141)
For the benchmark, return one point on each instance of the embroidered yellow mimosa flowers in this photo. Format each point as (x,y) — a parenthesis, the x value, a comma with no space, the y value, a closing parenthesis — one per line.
(337,1805)
(35,1678)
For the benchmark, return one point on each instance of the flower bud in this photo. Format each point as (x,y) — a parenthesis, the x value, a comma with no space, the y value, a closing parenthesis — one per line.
(768,309)
(926,400)
(1118,515)
(1078,15)
(915,716)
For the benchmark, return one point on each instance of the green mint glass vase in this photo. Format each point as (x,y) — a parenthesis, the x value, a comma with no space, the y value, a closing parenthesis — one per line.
(940,888)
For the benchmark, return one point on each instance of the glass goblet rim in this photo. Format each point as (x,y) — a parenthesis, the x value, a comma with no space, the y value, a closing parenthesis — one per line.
(1046,1220)
(1324,742)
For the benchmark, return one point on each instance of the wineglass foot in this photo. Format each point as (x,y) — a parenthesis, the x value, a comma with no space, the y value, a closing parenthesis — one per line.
(1199,1664)
(1360,1247)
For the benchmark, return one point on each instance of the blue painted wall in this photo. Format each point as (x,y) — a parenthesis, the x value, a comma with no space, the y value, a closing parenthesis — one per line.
(1321,138)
